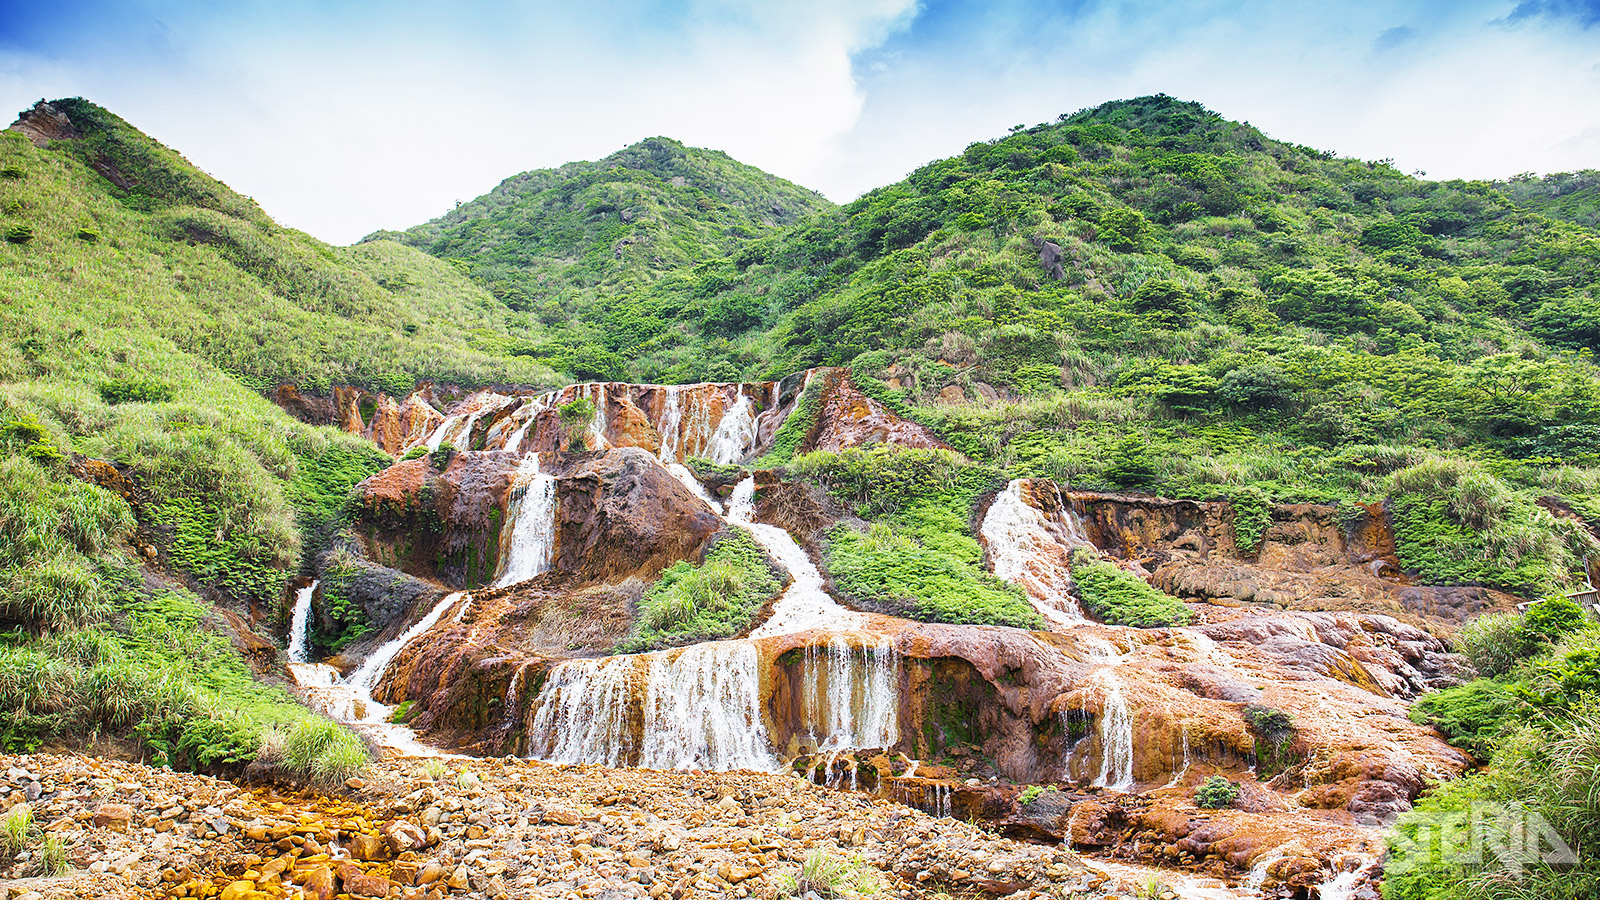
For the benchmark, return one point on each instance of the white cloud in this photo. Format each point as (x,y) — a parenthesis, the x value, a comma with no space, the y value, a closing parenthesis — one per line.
(342,125)
(344,119)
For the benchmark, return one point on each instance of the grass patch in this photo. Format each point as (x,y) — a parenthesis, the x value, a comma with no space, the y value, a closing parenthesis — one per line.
(1116,597)
(885,570)
(717,599)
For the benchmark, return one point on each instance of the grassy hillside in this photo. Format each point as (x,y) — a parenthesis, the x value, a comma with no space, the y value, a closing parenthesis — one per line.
(1145,296)
(607,255)
(1570,196)
(145,308)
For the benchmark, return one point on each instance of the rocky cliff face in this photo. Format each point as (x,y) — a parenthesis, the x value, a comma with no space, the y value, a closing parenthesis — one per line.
(1309,557)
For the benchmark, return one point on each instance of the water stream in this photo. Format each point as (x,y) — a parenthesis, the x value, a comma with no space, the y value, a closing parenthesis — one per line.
(804,605)
(1031,550)
(850,696)
(701,707)
(300,625)
(349,700)
(529,549)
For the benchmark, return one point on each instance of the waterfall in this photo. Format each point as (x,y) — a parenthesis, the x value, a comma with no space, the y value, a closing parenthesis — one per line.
(365,678)
(669,426)
(581,713)
(696,708)
(1342,886)
(804,605)
(671,421)
(703,710)
(1116,734)
(299,625)
(736,433)
(1181,770)
(701,707)
(437,438)
(350,700)
(1258,870)
(533,407)
(530,548)
(682,473)
(597,425)
(850,696)
(1030,550)
(458,428)
(509,711)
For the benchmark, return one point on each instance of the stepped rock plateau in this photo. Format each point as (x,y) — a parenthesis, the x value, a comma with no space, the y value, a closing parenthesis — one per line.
(504,557)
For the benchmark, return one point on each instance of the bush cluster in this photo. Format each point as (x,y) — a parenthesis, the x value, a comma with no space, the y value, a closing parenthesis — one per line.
(1216,793)
(717,599)
(1118,597)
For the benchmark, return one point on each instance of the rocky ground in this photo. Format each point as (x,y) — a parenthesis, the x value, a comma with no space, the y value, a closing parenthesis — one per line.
(497,829)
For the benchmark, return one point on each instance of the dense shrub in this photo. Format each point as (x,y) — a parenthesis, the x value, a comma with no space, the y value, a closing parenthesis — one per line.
(717,599)
(1117,597)
(1495,643)
(1275,733)
(1217,793)
(1473,716)
(890,572)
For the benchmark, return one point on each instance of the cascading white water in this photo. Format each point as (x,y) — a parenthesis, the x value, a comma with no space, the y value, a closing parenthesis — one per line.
(670,424)
(366,677)
(599,423)
(700,707)
(736,433)
(457,429)
(436,440)
(850,696)
(350,700)
(1180,770)
(1342,886)
(1030,550)
(509,711)
(804,605)
(1257,878)
(668,453)
(530,548)
(682,473)
(696,708)
(1116,734)
(581,713)
(1114,724)
(300,625)
(702,710)
(533,408)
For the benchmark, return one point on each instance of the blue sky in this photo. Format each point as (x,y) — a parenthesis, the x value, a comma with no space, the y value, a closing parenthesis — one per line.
(344,116)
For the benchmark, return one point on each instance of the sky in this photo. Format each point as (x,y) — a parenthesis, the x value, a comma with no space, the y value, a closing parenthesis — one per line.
(341,117)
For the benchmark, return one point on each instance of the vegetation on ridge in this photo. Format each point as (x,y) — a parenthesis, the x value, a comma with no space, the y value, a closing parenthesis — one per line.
(717,599)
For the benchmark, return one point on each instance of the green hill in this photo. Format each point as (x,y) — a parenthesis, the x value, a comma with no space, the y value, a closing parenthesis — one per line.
(567,244)
(146,308)
(1570,196)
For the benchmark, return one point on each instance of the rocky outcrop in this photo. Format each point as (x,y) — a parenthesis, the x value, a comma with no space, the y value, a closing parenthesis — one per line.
(393,425)
(621,518)
(849,418)
(1310,557)
(724,422)
(442,524)
(44,123)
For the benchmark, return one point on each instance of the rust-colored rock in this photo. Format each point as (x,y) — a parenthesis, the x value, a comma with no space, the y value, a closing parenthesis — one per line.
(362,885)
(850,418)
(319,884)
(113,816)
